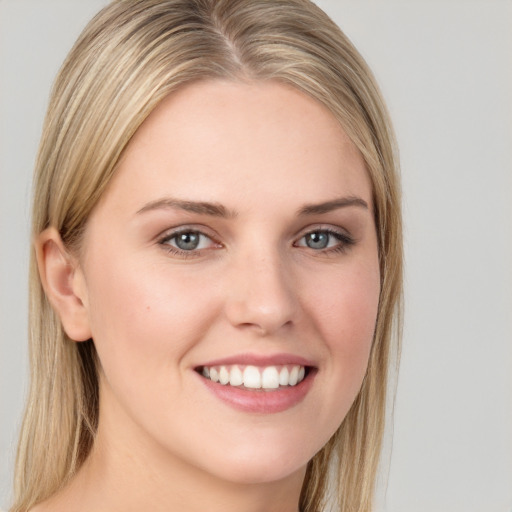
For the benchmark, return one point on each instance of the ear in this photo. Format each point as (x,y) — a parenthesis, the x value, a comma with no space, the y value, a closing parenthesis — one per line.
(64,284)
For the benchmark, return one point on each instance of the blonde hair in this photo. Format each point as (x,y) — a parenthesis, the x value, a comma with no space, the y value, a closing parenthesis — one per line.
(132,55)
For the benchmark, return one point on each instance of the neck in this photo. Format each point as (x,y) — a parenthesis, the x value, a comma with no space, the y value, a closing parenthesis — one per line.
(169,485)
(131,477)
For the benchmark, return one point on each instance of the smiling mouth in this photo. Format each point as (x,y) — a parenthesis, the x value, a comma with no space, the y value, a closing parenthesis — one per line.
(256,377)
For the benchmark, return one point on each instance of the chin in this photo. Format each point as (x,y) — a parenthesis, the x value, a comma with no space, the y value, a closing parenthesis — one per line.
(262,474)
(261,467)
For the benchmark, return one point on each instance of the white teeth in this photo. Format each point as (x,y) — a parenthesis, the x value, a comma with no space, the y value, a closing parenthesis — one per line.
(294,376)
(236,378)
(284,376)
(270,378)
(214,375)
(223,375)
(252,377)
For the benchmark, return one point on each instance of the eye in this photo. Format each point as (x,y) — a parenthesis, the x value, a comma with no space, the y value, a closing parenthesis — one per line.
(318,240)
(187,241)
(325,239)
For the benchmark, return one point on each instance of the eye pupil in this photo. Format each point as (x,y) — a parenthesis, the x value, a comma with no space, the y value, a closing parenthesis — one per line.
(187,241)
(317,240)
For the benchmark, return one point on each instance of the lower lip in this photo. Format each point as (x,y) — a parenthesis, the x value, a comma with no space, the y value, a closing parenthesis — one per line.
(260,400)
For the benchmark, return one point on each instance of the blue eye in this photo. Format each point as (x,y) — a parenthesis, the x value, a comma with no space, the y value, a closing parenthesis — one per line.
(323,239)
(187,241)
(317,240)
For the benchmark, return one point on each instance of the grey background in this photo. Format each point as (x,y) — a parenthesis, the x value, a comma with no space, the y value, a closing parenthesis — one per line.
(445,70)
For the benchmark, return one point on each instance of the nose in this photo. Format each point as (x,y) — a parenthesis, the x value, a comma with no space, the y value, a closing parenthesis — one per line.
(261,294)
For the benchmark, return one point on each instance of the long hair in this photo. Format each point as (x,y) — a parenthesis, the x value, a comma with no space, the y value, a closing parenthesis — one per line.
(131,56)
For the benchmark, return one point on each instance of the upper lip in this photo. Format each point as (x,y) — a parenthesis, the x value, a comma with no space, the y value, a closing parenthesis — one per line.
(260,360)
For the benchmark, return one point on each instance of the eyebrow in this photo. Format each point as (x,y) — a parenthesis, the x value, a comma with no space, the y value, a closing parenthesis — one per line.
(218,210)
(201,207)
(334,204)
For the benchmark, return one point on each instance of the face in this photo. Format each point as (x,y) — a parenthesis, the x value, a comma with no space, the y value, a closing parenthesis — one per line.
(231,282)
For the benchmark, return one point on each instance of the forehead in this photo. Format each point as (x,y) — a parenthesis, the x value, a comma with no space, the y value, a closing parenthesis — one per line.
(232,142)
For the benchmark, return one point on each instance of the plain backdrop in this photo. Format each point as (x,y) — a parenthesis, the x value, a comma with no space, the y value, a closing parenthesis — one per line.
(445,68)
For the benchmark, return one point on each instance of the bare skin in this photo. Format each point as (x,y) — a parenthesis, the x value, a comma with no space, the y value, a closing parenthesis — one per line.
(239,225)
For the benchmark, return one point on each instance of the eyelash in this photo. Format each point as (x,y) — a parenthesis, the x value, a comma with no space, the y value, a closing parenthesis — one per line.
(345,242)
(176,251)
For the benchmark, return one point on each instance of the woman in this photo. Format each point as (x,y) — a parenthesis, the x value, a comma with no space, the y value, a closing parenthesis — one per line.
(217,266)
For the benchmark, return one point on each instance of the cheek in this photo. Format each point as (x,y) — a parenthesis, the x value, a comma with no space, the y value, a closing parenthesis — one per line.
(346,306)
(145,313)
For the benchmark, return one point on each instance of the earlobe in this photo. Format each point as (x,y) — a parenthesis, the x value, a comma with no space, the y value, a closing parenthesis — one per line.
(62,280)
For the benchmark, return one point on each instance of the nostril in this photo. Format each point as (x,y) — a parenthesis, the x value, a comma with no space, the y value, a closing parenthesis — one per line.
(261,299)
